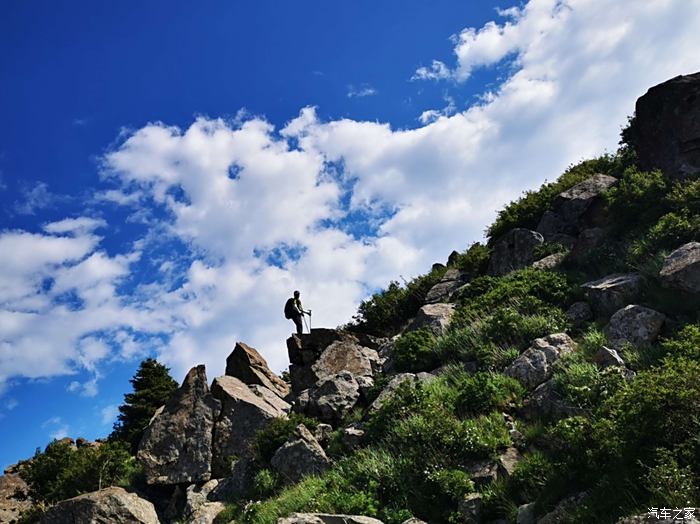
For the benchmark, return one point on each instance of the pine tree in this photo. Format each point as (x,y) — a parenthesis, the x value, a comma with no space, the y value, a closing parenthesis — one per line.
(153,386)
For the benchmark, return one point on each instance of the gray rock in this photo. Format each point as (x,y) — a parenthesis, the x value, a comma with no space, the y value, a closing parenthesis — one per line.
(326,518)
(550,262)
(197,495)
(470,508)
(482,473)
(176,447)
(113,505)
(271,398)
(452,280)
(345,355)
(332,398)
(587,240)
(436,317)
(636,325)
(526,514)
(666,128)
(323,433)
(535,365)
(243,414)
(206,513)
(514,250)
(552,224)
(246,364)
(386,355)
(507,462)
(546,402)
(681,269)
(575,202)
(364,385)
(300,456)
(562,512)
(606,357)
(579,312)
(352,437)
(414,520)
(613,292)
(14,497)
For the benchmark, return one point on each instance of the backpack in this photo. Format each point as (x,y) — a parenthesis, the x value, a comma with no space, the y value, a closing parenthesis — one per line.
(289,310)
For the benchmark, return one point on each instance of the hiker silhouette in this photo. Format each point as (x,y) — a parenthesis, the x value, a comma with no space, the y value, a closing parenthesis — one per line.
(294,311)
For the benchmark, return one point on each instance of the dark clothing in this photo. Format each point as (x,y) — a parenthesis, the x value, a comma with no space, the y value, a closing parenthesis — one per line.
(299,324)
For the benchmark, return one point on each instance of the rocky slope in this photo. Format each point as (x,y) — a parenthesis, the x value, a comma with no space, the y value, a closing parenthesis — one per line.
(538,344)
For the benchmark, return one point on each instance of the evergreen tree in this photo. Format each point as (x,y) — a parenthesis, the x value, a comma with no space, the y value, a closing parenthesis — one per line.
(153,386)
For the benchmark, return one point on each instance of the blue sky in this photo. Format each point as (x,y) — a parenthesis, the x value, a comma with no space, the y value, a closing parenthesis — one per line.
(170,171)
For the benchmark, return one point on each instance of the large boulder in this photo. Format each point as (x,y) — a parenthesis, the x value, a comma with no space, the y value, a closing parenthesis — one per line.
(300,456)
(346,355)
(243,414)
(636,325)
(332,398)
(681,269)
(613,292)
(326,518)
(176,447)
(514,250)
(246,364)
(536,364)
(436,317)
(452,280)
(14,497)
(666,128)
(113,505)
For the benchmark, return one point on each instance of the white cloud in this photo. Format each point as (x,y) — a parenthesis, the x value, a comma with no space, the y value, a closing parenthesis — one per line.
(80,225)
(361,91)
(263,211)
(109,414)
(36,197)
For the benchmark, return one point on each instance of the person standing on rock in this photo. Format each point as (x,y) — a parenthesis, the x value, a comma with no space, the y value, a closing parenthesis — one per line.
(293,310)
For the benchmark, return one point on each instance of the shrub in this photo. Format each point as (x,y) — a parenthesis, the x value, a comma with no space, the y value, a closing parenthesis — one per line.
(62,471)
(638,200)
(686,343)
(265,483)
(527,210)
(583,385)
(485,392)
(415,351)
(670,484)
(530,477)
(386,311)
(271,437)
(473,261)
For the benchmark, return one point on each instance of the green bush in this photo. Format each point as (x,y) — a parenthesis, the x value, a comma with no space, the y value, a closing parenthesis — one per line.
(530,477)
(473,261)
(528,209)
(669,484)
(386,311)
(62,471)
(686,343)
(583,385)
(271,437)
(415,351)
(485,392)
(638,200)
(265,483)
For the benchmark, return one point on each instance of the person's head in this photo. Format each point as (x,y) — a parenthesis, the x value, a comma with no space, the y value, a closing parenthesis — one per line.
(296,294)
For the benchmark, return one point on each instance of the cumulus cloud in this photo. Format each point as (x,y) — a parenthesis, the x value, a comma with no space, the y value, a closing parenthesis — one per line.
(247,212)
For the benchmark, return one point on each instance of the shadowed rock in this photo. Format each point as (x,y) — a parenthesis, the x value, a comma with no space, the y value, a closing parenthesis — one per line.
(301,455)
(176,446)
(514,250)
(613,292)
(247,364)
(681,269)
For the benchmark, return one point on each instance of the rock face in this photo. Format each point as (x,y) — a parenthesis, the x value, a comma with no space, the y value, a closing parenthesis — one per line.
(300,456)
(636,325)
(345,355)
(177,445)
(14,497)
(535,365)
(199,506)
(613,292)
(666,130)
(514,250)
(325,518)
(332,398)
(436,317)
(452,280)
(114,505)
(681,268)
(243,413)
(246,364)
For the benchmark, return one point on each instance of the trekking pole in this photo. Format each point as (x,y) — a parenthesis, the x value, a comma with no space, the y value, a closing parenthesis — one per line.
(309,321)
(307,326)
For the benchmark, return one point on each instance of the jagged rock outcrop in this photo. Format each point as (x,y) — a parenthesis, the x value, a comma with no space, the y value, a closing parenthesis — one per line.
(579,207)
(436,317)
(451,281)
(633,324)
(535,365)
(666,128)
(14,497)
(681,269)
(246,364)
(326,518)
(613,292)
(177,445)
(300,456)
(242,414)
(112,505)
(514,250)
